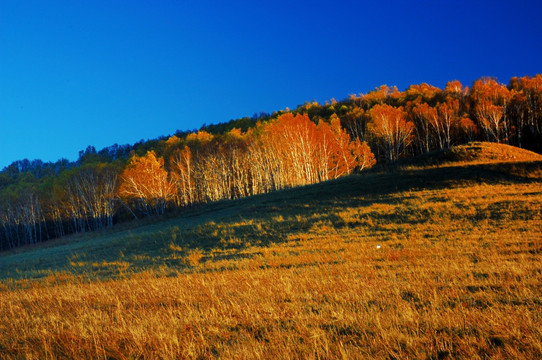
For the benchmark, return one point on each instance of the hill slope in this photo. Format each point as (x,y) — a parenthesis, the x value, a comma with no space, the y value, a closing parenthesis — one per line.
(239,229)
(414,262)
(475,153)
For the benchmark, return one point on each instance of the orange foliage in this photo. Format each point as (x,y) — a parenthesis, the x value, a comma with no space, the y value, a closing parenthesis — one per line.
(424,91)
(391,127)
(449,118)
(468,127)
(145,183)
(290,151)
(377,96)
(201,137)
(305,153)
(426,125)
(172,141)
(455,89)
(490,104)
(294,140)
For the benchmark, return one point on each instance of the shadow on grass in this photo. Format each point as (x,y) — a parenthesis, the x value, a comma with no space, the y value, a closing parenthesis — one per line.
(228,227)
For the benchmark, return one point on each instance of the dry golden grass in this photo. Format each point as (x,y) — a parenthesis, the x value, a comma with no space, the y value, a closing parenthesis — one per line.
(475,153)
(458,274)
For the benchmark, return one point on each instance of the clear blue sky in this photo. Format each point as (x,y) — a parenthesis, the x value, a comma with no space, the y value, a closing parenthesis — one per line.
(91,72)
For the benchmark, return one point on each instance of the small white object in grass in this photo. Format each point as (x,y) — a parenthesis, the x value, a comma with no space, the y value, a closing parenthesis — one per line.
(378,246)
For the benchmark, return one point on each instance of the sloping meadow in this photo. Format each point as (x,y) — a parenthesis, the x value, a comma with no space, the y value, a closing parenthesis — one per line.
(438,262)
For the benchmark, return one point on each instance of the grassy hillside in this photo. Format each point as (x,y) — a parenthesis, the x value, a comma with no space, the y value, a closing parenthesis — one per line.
(434,258)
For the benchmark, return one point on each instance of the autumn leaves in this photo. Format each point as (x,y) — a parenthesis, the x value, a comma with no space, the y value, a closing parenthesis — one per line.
(312,143)
(290,151)
(145,183)
(316,143)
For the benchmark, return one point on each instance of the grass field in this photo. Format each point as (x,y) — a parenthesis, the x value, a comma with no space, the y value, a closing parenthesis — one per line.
(435,258)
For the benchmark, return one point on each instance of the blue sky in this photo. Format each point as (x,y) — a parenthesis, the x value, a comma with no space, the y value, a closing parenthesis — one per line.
(90,72)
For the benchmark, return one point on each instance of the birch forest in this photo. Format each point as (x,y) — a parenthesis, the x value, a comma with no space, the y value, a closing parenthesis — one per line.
(266,152)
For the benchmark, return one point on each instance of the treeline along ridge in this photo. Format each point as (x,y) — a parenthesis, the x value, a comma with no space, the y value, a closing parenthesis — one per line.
(249,156)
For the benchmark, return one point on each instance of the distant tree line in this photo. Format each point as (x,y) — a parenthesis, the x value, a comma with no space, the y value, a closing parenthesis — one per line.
(43,201)
(266,152)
